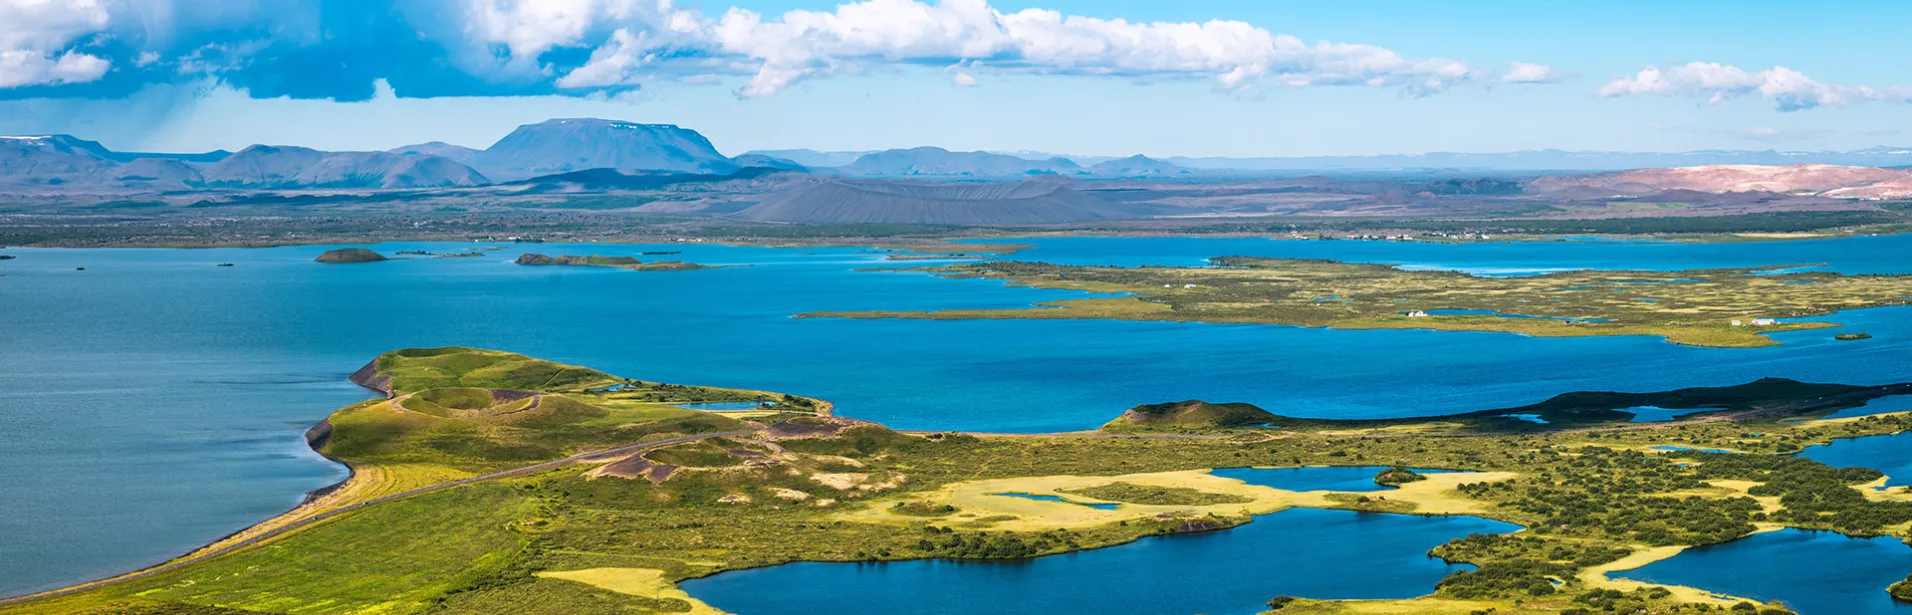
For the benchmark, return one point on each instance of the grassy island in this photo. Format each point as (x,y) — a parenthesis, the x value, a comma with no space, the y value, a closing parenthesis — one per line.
(618,262)
(1712,307)
(350,255)
(486,482)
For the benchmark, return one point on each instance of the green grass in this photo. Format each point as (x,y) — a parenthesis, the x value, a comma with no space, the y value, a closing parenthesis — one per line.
(477,549)
(1695,307)
(1150,494)
(418,369)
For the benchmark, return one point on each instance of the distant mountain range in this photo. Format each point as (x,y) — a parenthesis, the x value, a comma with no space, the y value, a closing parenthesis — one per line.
(1522,161)
(66,163)
(610,153)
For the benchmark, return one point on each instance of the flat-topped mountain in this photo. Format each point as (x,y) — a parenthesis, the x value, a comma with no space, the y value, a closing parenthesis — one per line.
(1035,201)
(937,161)
(575,144)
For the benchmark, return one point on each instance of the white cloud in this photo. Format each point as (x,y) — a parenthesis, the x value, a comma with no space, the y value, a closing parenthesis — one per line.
(963,80)
(1236,55)
(33,34)
(1788,89)
(1522,72)
(20,67)
(651,39)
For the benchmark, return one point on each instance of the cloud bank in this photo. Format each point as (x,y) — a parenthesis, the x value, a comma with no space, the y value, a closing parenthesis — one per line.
(338,48)
(1787,89)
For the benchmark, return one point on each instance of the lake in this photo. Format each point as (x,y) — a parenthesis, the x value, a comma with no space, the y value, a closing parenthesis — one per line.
(1317,478)
(1890,454)
(1300,552)
(155,401)
(1815,573)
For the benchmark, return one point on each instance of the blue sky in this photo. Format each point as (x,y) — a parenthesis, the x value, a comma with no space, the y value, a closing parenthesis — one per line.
(1399,77)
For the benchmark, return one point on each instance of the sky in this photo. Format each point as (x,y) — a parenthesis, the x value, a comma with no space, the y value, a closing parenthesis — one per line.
(1106,77)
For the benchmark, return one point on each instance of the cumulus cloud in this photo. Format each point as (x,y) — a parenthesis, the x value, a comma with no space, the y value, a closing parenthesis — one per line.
(22,68)
(1522,72)
(35,35)
(339,48)
(1234,54)
(1787,89)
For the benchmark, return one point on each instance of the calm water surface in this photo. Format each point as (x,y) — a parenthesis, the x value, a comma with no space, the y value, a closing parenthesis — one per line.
(1815,573)
(1299,552)
(154,401)
(1891,454)
(1336,478)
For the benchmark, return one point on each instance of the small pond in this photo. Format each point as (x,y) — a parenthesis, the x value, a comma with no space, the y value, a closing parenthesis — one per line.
(1319,478)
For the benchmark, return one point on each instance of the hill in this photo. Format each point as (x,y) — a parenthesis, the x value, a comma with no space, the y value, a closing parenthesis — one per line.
(1192,414)
(464,155)
(55,159)
(770,162)
(601,180)
(1138,166)
(350,255)
(269,166)
(941,162)
(575,144)
(1035,201)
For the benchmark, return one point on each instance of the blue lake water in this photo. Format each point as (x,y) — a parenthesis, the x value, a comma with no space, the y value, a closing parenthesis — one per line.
(1531,418)
(1655,414)
(1300,552)
(723,406)
(1815,573)
(155,401)
(1318,478)
(1889,454)
(1689,448)
(1879,405)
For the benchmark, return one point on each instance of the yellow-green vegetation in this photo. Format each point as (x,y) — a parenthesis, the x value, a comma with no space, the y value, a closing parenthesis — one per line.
(1697,307)
(643,582)
(1191,415)
(615,531)
(1902,590)
(1156,495)
(617,262)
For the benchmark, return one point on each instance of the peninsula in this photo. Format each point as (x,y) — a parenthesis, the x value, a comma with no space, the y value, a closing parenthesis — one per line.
(1710,307)
(489,482)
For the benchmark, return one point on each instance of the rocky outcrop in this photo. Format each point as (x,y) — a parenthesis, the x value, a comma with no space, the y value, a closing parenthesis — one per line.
(370,377)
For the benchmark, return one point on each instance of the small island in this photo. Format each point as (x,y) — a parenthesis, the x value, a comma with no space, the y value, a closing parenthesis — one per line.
(6,257)
(1847,337)
(617,262)
(1397,476)
(350,255)
(1902,590)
